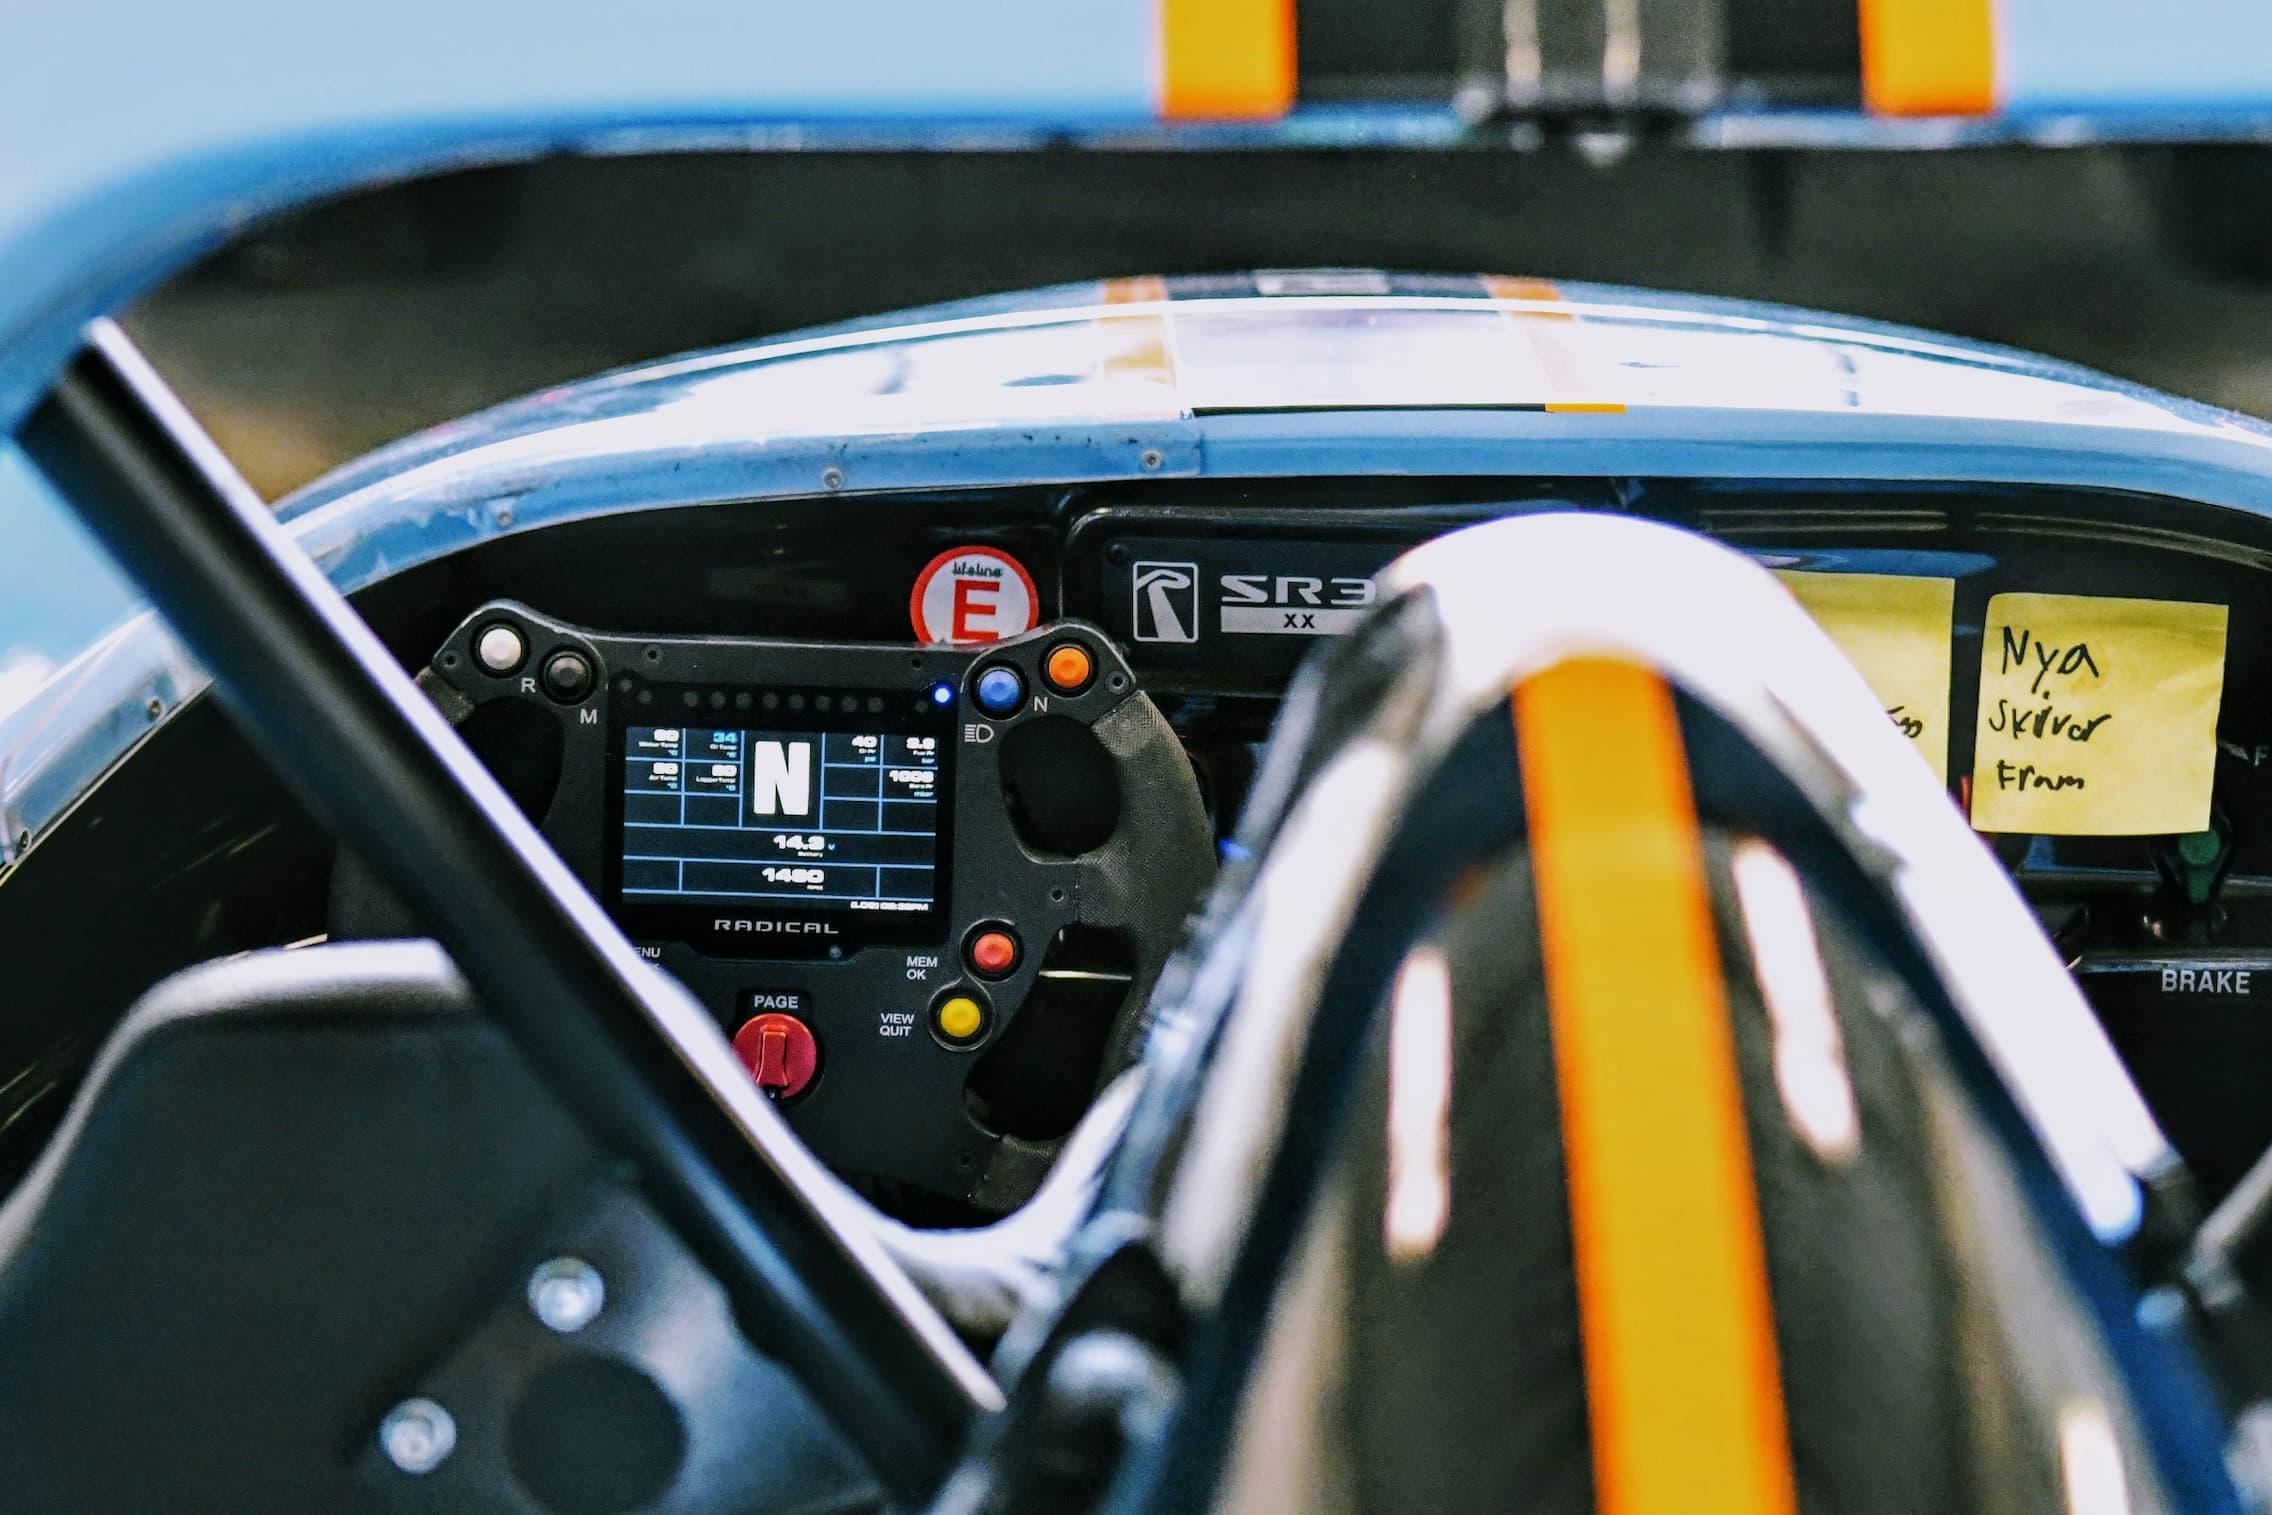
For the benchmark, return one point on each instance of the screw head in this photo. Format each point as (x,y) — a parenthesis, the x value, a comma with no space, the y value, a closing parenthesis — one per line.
(832,478)
(567,1294)
(1152,458)
(418,1436)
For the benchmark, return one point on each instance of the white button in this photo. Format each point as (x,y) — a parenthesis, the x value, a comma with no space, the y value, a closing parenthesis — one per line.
(500,649)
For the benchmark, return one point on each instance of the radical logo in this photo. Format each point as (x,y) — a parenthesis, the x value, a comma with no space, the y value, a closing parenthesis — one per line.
(1166,601)
(778,928)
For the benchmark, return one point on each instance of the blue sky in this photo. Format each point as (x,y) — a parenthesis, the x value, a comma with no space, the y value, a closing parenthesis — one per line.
(58,590)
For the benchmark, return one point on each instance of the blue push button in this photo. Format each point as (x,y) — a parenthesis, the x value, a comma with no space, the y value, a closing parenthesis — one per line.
(1000,690)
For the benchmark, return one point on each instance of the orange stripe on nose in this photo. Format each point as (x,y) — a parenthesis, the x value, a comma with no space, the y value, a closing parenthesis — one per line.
(1564,370)
(1226,59)
(1682,1384)
(1138,346)
(1928,57)
(1509,287)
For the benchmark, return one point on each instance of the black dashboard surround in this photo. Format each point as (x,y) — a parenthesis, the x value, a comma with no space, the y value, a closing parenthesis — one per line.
(847,834)
(197,843)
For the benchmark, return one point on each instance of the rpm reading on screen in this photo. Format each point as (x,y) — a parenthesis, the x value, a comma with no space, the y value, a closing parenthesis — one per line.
(800,833)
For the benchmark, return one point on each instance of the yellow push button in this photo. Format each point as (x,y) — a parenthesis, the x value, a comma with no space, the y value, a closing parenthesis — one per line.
(959,1018)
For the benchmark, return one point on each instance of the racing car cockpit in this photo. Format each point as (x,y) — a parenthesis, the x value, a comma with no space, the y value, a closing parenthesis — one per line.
(1316,889)
(1055,809)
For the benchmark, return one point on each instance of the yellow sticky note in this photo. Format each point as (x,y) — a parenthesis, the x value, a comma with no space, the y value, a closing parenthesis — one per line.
(1896,630)
(2097,717)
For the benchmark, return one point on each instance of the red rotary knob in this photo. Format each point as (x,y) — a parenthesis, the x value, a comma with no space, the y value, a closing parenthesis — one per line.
(779,1052)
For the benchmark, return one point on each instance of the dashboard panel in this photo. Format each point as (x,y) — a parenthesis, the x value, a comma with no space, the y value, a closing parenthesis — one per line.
(1207,599)
(811,598)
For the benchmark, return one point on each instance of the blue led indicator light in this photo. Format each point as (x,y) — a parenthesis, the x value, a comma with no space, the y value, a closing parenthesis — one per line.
(942,694)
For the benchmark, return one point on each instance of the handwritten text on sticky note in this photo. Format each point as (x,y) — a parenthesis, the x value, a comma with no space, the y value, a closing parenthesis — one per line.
(2098,717)
(1895,630)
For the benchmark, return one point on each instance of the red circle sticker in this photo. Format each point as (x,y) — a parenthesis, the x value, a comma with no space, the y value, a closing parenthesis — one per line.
(973,594)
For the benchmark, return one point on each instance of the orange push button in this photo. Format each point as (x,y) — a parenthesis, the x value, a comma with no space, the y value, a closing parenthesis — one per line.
(993,952)
(779,1052)
(1068,666)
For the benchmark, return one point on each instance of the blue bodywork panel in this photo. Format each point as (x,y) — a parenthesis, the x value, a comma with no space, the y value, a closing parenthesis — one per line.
(163,132)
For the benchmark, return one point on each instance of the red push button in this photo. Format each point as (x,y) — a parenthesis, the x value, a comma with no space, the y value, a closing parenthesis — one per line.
(993,952)
(779,1052)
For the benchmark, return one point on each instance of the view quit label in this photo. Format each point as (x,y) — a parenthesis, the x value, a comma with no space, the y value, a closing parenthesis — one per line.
(2097,716)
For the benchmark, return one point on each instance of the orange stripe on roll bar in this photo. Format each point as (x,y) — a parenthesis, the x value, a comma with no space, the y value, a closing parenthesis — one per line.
(1682,1383)
(1226,59)
(1928,57)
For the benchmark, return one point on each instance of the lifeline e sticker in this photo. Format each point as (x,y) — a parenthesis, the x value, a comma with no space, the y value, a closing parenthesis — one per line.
(973,594)
(2098,717)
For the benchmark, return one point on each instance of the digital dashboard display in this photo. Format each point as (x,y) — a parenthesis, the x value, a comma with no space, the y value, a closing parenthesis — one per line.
(834,821)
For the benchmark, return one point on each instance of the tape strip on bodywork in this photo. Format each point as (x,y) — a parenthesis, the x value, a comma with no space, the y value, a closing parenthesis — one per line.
(1139,347)
(1565,371)
(1683,1386)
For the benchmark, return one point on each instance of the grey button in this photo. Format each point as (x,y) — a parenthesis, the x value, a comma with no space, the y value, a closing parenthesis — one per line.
(500,649)
(567,677)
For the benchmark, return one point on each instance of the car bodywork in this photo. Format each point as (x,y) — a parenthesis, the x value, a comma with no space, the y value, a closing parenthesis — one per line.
(1345,374)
